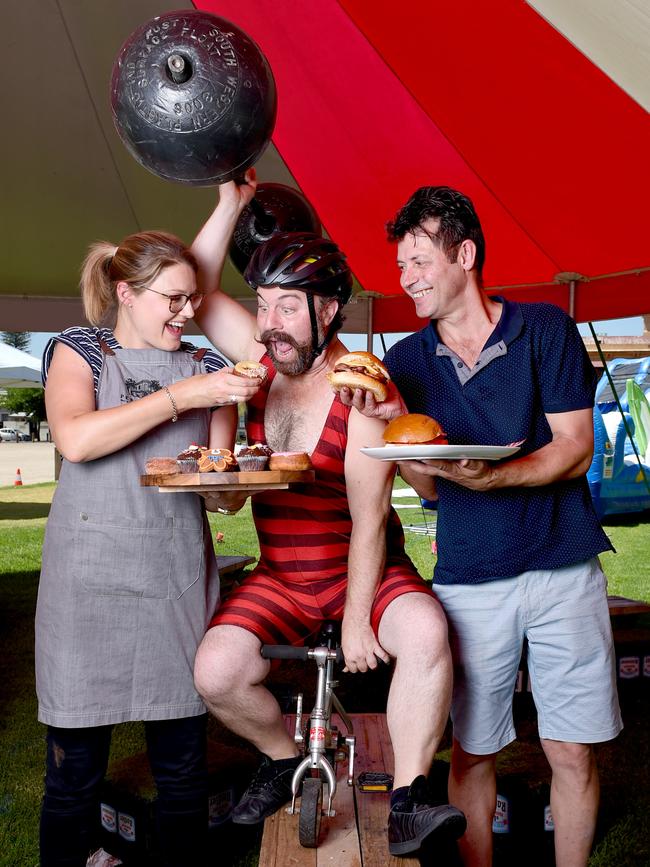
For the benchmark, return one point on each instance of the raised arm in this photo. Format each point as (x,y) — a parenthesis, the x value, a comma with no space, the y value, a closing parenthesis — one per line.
(228,325)
(369,485)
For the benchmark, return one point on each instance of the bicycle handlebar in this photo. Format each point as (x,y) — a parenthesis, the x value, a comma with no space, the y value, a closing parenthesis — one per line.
(287,651)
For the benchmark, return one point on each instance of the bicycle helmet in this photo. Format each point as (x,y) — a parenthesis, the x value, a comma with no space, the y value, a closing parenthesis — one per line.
(306,262)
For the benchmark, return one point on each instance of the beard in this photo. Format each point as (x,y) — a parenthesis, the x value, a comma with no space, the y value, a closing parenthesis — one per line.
(303,359)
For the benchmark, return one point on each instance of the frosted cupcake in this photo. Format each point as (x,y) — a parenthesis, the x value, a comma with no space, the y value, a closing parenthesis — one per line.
(188,460)
(254,458)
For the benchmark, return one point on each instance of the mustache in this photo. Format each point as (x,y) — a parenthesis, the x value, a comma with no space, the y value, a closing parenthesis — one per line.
(267,336)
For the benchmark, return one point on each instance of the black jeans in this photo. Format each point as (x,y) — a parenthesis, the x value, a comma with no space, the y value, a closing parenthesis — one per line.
(75,767)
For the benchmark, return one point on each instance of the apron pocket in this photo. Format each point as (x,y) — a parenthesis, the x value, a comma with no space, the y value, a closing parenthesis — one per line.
(188,555)
(119,558)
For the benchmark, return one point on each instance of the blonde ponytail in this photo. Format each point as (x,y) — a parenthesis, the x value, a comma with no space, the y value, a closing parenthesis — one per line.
(138,260)
(97,289)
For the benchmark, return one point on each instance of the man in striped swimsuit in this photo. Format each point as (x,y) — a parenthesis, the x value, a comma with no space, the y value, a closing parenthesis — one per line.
(332,549)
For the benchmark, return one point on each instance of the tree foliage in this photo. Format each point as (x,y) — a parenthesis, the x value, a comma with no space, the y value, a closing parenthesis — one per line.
(31,401)
(17,339)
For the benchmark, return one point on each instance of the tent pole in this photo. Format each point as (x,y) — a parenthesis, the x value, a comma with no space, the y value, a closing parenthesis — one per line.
(601,355)
(369,325)
(572,299)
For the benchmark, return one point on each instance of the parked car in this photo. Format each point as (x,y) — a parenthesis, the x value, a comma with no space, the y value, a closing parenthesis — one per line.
(11,435)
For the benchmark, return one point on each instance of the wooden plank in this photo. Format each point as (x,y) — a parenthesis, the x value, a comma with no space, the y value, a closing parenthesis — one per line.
(339,845)
(280,846)
(622,605)
(375,754)
(357,835)
(228,565)
(223,481)
(201,489)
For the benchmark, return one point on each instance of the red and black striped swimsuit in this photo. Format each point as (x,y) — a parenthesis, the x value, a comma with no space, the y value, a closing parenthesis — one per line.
(304,536)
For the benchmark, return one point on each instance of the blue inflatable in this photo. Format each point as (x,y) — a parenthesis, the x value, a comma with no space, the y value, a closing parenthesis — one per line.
(617,482)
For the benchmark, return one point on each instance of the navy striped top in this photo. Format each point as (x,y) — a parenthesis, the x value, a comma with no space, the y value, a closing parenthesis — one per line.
(85,341)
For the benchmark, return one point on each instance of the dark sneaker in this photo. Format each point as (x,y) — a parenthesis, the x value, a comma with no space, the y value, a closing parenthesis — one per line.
(269,789)
(415,819)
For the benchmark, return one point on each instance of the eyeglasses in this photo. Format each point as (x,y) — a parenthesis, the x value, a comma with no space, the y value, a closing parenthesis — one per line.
(177,302)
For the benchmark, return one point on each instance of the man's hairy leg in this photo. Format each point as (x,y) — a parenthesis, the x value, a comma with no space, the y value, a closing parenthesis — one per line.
(228,674)
(472,788)
(574,800)
(413,630)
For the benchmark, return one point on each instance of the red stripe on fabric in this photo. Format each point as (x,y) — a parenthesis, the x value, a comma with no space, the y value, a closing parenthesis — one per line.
(307,544)
(562,131)
(326,70)
(397,582)
(496,103)
(266,633)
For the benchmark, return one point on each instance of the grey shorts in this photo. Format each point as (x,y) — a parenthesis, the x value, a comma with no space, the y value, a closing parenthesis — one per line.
(564,615)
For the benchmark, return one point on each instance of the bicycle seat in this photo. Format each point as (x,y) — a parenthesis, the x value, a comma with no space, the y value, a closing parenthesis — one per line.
(329,634)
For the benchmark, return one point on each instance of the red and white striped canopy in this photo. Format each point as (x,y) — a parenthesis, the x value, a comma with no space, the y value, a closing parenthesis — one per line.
(377,99)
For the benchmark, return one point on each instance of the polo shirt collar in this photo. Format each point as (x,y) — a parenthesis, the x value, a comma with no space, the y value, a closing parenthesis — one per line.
(507,328)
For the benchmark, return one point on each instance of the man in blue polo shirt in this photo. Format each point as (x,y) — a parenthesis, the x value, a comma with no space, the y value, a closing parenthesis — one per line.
(517,539)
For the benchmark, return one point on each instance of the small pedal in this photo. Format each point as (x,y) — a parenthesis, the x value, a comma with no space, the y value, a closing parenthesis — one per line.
(374,781)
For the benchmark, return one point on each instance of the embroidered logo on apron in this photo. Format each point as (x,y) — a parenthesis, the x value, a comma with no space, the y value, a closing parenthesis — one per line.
(140,388)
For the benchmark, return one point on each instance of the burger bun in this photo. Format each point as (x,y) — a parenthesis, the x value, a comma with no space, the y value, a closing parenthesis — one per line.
(250,369)
(360,370)
(414,429)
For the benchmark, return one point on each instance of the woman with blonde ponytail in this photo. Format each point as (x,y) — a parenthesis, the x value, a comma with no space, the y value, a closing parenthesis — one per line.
(129,579)
(96,290)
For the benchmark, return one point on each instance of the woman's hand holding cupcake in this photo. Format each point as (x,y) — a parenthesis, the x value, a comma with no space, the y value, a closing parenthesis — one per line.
(214,389)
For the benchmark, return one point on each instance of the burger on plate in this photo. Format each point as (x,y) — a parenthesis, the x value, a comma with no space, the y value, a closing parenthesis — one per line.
(360,370)
(414,429)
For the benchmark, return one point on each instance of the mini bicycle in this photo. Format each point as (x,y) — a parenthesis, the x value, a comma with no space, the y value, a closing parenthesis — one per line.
(321,743)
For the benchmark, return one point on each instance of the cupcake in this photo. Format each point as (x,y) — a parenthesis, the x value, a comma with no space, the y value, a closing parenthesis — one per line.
(188,460)
(254,458)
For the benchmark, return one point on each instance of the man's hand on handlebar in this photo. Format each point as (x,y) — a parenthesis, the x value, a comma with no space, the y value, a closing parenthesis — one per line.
(360,646)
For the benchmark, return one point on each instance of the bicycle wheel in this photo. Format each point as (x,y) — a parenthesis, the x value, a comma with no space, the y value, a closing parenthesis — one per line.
(311,806)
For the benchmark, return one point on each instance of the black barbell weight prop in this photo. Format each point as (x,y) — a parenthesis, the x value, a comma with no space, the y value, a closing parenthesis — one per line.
(275,208)
(193,98)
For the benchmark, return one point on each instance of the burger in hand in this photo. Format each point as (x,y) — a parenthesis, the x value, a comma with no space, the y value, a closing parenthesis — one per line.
(414,429)
(360,370)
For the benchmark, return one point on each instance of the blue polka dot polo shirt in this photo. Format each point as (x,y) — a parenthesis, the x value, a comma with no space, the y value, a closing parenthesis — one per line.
(533,363)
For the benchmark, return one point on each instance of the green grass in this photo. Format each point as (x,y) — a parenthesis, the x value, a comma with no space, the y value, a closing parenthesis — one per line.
(624,831)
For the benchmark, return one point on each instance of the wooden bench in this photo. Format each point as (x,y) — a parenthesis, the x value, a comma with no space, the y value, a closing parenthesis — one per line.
(622,605)
(232,565)
(357,835)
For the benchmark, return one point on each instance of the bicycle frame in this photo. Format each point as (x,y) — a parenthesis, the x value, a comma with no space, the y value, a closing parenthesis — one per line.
(322,737)
(320,730)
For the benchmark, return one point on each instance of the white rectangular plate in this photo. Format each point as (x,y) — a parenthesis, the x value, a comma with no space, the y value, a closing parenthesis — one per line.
(445,453)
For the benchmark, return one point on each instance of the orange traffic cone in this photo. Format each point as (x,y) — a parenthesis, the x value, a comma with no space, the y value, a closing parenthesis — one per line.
(19,478)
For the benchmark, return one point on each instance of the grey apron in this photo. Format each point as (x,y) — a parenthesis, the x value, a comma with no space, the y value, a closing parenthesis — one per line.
(129,579)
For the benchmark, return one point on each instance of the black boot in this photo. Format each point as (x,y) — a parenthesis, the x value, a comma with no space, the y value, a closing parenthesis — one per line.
(269,789)
(414,819)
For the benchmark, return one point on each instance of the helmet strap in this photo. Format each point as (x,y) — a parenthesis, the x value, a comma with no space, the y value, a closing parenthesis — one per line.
(317,347)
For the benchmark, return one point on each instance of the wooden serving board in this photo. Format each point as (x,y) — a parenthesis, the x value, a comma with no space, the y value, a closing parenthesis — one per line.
(260,481)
